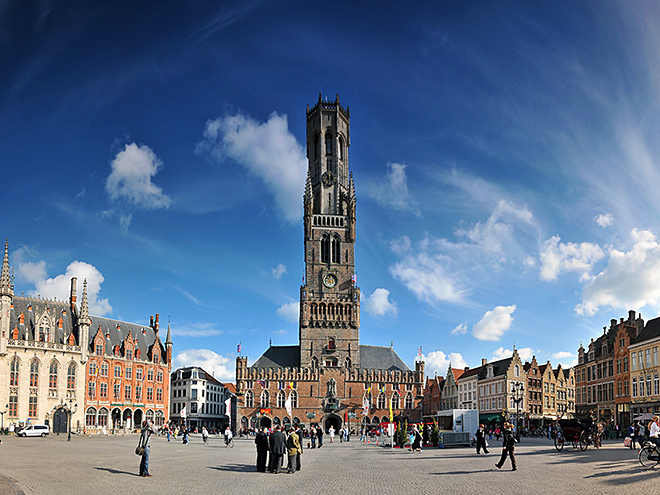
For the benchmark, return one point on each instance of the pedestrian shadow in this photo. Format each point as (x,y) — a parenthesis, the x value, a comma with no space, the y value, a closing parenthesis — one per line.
(115,471)
(241,468)
(476,471)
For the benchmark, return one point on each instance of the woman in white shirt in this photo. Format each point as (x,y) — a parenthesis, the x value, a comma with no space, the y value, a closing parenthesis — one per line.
(654,431)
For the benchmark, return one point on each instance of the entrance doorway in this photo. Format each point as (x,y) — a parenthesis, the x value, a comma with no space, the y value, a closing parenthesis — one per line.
(59,421)
(334,421)
(265,422)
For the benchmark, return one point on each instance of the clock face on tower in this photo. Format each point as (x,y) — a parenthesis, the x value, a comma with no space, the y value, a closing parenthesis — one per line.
(328,179)
(330,281)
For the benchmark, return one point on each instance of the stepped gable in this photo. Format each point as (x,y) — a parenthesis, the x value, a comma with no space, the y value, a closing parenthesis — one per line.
(118,331)
(32,310)
(382,358)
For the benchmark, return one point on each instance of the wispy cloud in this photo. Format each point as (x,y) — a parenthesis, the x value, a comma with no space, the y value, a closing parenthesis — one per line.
(266,150)
(557,257)
(461,329)
(278,271)
(289,311)
(392,191)
(604,220)
(195,329)
(220,366)
(526,353)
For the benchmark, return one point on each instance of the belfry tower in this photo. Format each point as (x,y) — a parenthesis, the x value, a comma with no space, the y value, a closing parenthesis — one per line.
(329,297)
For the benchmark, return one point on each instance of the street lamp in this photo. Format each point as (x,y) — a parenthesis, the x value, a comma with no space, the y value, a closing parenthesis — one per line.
(2,416)
(70,409)
(518,390)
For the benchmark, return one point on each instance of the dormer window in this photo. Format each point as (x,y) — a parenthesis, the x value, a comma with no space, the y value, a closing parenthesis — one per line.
(99,349)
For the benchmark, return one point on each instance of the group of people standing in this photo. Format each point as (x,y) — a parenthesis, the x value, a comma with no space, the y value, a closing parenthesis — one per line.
(278,444)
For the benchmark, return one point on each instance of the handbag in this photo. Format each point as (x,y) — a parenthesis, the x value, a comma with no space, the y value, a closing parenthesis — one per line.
(627,441)
(139,450)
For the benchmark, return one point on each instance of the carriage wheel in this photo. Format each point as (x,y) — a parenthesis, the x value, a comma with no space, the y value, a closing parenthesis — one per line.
(575,442)
(648,456)
(583,441)
(559,442)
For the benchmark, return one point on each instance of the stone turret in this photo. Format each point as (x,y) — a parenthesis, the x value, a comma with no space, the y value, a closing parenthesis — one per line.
(168,346)
(6,298)
(84,322)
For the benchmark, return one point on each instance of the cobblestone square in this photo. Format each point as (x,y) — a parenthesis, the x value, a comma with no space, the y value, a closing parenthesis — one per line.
(107,465)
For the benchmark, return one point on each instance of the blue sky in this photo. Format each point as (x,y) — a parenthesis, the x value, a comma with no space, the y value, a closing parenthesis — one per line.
(505,157)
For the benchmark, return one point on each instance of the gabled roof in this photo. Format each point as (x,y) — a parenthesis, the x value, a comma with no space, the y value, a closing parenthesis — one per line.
(115,332)
(469,373)
(457,373)
(651,331)
(499,368)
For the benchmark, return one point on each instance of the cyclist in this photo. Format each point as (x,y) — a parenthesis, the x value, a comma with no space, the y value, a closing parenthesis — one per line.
(205,434)
(228,435)
(654,431)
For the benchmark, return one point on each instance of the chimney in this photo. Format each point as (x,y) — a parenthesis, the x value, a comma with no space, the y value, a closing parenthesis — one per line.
(151,321)
(631,317)
(613,322)
(72,294)
(484,361)
(466,368)
(157,325)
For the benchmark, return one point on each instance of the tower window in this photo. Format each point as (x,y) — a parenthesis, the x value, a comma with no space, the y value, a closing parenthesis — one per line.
(336,249)
(316,146)
(331,344)
(328,143)
(340,148)
(325,249)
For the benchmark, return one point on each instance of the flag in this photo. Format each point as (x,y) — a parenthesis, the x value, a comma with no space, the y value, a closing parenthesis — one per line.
(369,390)
(287,405)
(280,385)
(262,383)
(419,352)
(383,389)
(354,278)
(183,412)
(391,415)
(238,348)
(228,407)
(290,386)
(365,406)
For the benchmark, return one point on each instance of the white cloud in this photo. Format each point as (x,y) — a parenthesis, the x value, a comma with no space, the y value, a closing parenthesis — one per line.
(526,354)
(494,323)
(438,361)
(563,355)
(461,329)
(190,329)
(267,150)
(221,367)
(392,191)
(130,179)
(278,271)
(289,311)
(557,257)
(629,281)
(425,273)
(378,303)
(604,220)
(59,287)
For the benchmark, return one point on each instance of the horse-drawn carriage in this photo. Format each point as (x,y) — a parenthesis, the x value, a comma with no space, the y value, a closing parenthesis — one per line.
(580,432)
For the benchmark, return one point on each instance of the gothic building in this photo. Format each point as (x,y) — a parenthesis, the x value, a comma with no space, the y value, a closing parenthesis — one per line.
(329,376)
(56,358)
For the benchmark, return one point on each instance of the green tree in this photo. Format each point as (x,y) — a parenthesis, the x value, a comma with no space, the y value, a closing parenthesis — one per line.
(402,433)
(435,433)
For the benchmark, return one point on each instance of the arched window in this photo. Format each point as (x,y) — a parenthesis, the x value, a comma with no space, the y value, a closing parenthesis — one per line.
(294,399)
(347,363)
(317,146)
(34,373)
(328,143)
(325,249)
(340,148)
(52,375)
(395,400)
(44,333)
(71,377)
(315,363)
(516,370)
(249,399)
(281,398)
(90,417)
(381,401)
(265,399)
(336,246)
(408,404)
(13,374)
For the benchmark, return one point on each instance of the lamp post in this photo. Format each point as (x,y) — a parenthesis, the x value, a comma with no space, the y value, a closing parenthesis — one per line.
(518,390)
(2,416)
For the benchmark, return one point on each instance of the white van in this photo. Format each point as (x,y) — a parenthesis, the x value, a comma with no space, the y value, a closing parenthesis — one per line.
(34,431)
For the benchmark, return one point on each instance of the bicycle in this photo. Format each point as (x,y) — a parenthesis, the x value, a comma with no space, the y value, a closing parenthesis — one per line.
(205,439)
(229,443)
(649,455)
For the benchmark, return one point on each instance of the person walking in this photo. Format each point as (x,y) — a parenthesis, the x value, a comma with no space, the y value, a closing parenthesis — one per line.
(508,443)
(631,434)
(331,434)
(299,432)
(144,443)
(277,446)
(293,449)
(312,436)
(261,440)
(481,440)
(416,442)
(319,436)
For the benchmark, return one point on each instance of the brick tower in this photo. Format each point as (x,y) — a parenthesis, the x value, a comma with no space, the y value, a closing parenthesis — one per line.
(329,297)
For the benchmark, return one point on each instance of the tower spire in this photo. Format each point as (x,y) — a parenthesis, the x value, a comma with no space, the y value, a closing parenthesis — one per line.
(84,307)
(168,339)
(6,288)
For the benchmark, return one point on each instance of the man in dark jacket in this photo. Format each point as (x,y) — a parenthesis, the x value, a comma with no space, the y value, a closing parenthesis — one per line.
(508,442)
(481,440)
(277,449)
(262,449)
(299,432)
(319,435)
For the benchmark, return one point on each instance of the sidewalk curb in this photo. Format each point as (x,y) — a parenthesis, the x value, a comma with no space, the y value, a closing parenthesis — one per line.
(13,484)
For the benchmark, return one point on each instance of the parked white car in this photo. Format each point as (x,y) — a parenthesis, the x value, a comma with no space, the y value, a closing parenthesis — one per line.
(34,431)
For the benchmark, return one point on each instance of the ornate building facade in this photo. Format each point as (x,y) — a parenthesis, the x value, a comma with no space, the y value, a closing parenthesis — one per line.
(56,358)
(329,376)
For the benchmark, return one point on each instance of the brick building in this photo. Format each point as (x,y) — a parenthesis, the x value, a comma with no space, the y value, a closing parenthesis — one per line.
(432,396)
(329,376)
